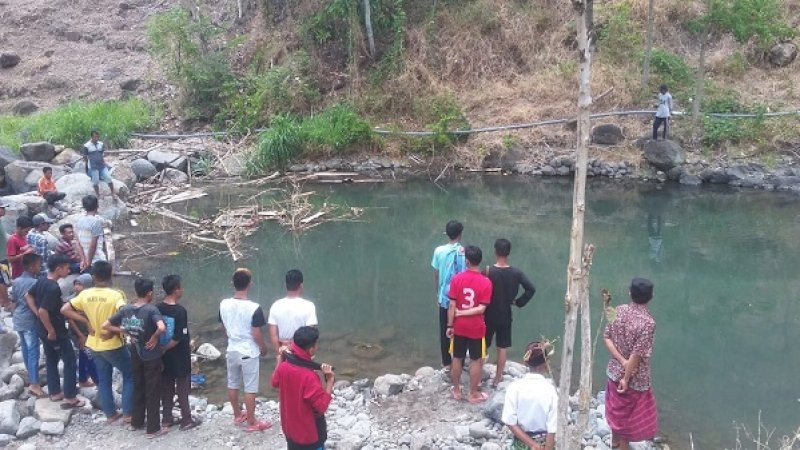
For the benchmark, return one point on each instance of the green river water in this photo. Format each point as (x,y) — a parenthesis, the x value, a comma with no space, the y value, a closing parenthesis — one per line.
(727,298)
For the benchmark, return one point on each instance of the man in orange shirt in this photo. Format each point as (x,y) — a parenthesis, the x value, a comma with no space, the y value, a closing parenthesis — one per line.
(47,187)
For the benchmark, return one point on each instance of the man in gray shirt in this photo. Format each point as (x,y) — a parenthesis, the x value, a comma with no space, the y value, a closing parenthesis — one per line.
(25,319)
(663,112)
(96,168)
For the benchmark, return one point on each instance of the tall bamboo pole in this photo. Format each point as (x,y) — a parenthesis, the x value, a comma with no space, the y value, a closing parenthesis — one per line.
(649,46)
(575,270)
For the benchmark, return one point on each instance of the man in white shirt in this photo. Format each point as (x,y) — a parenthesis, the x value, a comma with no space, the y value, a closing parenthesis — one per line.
(531,405)
(290,313)
(243,319)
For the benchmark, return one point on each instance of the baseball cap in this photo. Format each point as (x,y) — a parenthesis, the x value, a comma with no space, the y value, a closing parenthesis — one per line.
(84,279)
(41,218)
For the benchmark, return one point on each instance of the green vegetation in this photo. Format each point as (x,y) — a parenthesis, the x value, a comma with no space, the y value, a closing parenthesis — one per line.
(673,70)
(619,36)
(442,115)
(337,130)
(718,132)
(70,124)
(763,20)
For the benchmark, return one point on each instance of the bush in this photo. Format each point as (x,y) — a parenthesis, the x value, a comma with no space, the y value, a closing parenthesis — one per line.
(337,130)
(718,131)
(618,34)
(763,20)
(70,124)
(442,115)
(672,70)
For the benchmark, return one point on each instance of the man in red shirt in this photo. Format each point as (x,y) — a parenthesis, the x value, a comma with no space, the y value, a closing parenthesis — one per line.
(17,245)
(470,292)
(303,400)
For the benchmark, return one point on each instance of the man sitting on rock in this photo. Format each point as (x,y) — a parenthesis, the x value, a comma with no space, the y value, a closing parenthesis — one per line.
(47,187)
(303,400)
(96,168)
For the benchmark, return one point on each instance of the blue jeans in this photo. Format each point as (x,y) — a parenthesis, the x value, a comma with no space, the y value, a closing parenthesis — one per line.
(29,345)
(60,349)
(99,174)
(86,367)
(105,362)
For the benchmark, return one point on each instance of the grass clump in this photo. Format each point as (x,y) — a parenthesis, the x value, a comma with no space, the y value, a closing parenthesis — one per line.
(763,20)
(70,124)
(672,70)
(720,132)
(619,35)
(336,131)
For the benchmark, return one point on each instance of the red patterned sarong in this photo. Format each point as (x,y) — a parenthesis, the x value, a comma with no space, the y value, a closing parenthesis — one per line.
(632,416)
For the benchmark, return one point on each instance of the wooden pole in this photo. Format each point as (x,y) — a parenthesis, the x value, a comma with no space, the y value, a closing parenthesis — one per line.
(368,25)
(575,271)
(649,46)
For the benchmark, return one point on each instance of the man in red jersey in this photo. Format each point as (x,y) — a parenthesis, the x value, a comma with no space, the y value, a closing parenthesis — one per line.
(302,397)
(470,292)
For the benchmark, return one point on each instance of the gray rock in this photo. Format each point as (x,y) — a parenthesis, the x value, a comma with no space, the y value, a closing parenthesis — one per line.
(7,156)
(10,371)
(425,372)
(67,157)
(52,428)
(13,389)
(478,430)
(782,54)
(24,108)
(602,428)
(23,176)
(607,134)
(9,60)
(123,172)
(6,439)
(167,159)
(79,185)
(663,154)
(234,164)
(715,176)
(28,427)
(490,446)
(389,385)
(26,447)
(130,85)
(25,407)
(38,151)
(493,408)
(675,173)
(689,179)
(505,159)
(49,411)
(9,417)
(643,445)
(8,343)
(175,176)
(33,202)
(548,170)
(562,171)
(783,182)
(143,168)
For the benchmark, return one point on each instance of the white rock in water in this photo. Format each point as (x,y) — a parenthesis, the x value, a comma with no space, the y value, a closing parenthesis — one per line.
(52,428)
(425,372)
(208,351)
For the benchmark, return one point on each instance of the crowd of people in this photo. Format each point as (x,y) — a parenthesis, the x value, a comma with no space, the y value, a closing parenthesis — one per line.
(96,330)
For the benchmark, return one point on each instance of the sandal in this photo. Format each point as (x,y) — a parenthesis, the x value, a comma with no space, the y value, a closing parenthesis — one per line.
(240,419)
(113,418)
(482,397)
(189,426)
(158,433)
(39,394)
(57,397)
(456,393)
(259,426)
(78,403)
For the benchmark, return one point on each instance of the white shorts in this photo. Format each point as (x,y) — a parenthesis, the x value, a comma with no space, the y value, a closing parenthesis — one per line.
(242,372)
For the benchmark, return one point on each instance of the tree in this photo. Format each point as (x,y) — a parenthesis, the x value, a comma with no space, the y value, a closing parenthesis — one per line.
(648,46)
(368,26)
(577,298)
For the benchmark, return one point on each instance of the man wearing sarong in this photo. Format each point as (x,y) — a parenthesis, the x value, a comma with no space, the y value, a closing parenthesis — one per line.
(630,404)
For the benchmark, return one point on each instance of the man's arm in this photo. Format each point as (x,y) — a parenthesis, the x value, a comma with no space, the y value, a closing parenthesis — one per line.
(273,338)
(92,249)
(614,351)
(451,317)
(474,311)
(160,328)
(630,370)
(517,431)
(44,316)
(529,288)
(111,328)
(258,337)
(78,249)
(31,303)
(71,314)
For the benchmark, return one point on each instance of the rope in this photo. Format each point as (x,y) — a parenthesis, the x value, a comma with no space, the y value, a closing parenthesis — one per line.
(518,126)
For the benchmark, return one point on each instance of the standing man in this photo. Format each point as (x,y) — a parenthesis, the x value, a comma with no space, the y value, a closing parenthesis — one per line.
(142,322)
(290,313)
(530,409)
(93,156)
(243,319)
(5,273)
(26,318)
(630,403)
(36,238)
(89,228)
(98,303)
(47,187)
(46,294)
(506,281)
(17,245)
(469,294)
(448,260)
(664,111)
(177,374)
(303,400)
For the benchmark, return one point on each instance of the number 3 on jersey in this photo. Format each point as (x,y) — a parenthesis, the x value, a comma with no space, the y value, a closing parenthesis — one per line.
(469,298)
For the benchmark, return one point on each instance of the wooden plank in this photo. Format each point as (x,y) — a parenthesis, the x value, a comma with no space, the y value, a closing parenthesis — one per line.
(171,215)
(312,217)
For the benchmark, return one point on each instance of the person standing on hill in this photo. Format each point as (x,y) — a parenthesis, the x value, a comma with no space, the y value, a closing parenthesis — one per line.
(630,403)
(448,260)
(470,292)
(506,281)
(242,319)
(96,168)
(290,313)
(664,111)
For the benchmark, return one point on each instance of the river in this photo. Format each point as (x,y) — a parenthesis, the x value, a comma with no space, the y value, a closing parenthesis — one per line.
(724,265)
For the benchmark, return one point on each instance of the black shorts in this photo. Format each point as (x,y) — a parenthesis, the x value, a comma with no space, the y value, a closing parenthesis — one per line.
(459,345)
(503,333)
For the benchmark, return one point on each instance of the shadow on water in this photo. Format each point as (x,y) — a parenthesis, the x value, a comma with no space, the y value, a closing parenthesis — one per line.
(723,263)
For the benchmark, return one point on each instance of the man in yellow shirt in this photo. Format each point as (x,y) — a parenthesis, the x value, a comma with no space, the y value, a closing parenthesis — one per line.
(93,307)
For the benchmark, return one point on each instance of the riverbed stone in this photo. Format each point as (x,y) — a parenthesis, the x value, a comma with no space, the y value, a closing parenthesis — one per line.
(175,176)
(715,175)
(79,185)
(67,157)
(6,439)
(7,156)
(9,59)
(143,168)
(9,417)
(425,372)
(389,384)
(493,408)
(50,411)
(8,343)
(208,351)
(33,201)
(24,108)
(663,154)
(782,54)
(38,151)
(689,179)
(12,390)
(607,134)
(13,369)
(23,176)
(162,159)
(122,171)
(28,426)
(52,428)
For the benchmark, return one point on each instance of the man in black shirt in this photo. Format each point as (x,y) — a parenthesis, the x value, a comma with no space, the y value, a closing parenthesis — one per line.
(177,374)
(52,327)
(506,281)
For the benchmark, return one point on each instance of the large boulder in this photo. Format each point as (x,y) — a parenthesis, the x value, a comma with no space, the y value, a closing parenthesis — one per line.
(9,60)
(8,343)
(38,151)
(10,417)
(47,410)
(9,220)
(67,157)
(387,385)
(782,54)
(7,156)
(13,389)
(507,159)
(175,176)
(663,154)
(607,134)
(167,159)
(33,201)
(122,171)
(23,176)
(79,185)
(24,108)
(493,408)
(143,168)
(28,427)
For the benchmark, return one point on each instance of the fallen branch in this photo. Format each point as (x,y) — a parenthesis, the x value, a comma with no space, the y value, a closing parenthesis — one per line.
(195,237)
(171,215)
